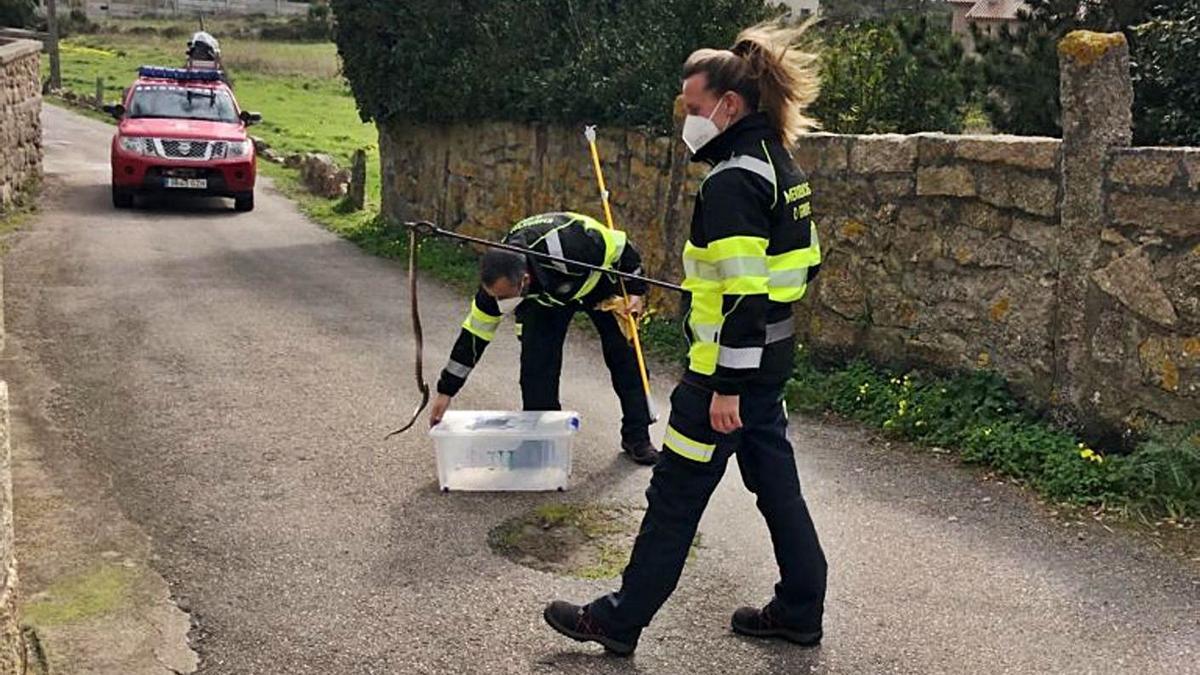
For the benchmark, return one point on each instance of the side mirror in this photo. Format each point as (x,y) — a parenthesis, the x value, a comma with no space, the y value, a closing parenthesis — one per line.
(117,110)
(251,117)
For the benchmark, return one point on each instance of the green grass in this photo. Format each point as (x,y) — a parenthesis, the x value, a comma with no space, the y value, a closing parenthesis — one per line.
(80,597)
(19,211)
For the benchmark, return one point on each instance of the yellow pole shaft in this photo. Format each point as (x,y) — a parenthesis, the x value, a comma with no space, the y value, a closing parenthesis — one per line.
(633,327)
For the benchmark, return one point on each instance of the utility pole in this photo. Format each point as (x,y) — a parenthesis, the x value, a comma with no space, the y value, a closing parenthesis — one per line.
(52,29)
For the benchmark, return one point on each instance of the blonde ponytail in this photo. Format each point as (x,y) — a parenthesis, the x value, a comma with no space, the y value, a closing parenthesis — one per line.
(770,69)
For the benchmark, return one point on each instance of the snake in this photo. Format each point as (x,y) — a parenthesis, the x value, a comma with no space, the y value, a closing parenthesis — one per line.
(418,337)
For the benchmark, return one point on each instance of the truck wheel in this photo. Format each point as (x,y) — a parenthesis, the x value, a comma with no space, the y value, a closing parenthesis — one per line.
(244,202)
(122,198)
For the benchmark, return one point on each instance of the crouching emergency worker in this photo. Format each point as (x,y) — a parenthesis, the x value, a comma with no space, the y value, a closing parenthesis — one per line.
(545,296)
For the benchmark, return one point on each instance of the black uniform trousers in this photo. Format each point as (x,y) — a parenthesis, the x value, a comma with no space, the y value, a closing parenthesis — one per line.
(543,331)
(678,494)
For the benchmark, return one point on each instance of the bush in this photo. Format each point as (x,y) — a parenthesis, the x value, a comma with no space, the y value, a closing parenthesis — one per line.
(1167,91)
(527,60)
(315,26)
(17,13)
(905,75)
(1020,68)
(976,414)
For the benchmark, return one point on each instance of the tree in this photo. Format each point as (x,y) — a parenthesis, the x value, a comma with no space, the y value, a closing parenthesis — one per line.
(17,13)
(905,75)
(842,13)
(1020,67)
(1167,91)
(615,61)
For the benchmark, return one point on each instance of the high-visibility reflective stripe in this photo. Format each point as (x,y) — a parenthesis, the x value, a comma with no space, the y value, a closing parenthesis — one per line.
(592,281)
(780,331)
(554,248)
(795,278)
(614,247)
(740,357)
(737,246)
(751,164)
(744,266)
(705,332)
(481,323)
(686,447)
(457,369)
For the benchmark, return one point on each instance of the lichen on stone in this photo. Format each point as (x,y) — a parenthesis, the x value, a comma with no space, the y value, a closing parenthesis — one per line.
(1085,47)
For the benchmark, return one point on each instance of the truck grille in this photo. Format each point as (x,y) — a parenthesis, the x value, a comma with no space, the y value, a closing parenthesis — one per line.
(182,149)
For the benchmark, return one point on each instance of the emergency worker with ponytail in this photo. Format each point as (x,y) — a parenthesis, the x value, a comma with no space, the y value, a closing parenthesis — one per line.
(750,255)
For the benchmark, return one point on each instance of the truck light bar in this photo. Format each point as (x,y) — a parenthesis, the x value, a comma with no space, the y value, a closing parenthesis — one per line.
(181,74)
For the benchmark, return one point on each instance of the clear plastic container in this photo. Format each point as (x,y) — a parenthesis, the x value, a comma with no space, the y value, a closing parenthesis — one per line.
(483,450)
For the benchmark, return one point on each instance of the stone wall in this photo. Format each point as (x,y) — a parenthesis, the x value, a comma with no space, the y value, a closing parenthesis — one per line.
(480,179)
(939,251)
(20,118)
(1144,299)
(20,164)
(12,644)
(1071,267)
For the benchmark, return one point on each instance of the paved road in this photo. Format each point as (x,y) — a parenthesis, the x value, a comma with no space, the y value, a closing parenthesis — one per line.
(230,377)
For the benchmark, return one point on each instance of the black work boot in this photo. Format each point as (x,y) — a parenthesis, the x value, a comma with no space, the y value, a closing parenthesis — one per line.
(576,623)
(762,624)
(641,452)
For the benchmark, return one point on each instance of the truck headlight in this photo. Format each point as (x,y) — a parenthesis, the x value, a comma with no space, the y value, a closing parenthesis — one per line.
(238,149)
(138,145)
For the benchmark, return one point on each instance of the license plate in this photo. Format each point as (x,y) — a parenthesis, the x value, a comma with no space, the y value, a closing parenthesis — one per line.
(189,183)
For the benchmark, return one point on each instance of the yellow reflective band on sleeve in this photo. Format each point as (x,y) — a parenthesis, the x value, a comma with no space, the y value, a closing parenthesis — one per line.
(746,286)
(481,324)
(614,246)
(702,357)
(736,247)
(686,447)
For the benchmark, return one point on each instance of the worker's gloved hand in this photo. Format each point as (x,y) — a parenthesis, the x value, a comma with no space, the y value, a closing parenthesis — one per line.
(637,304)
(440,405)
(724,413)
(624,309)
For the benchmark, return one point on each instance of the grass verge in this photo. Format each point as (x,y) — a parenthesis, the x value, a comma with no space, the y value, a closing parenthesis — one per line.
(976,415)
(19,211)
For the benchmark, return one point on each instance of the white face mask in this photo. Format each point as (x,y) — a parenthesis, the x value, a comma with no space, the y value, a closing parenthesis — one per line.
(698,130)
(509,304)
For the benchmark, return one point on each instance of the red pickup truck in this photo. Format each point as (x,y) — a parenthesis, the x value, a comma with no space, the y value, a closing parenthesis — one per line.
(181,130)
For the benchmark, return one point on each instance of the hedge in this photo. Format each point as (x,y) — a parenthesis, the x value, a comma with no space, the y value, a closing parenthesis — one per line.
(598,61)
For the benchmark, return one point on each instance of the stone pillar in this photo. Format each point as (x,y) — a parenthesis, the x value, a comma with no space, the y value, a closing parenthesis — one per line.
(1097,101)
(356,197)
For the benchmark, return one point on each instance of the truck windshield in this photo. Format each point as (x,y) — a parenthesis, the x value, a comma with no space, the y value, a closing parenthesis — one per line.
(171,102)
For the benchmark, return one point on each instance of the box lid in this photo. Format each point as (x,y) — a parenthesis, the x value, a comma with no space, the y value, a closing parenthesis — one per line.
(507,423)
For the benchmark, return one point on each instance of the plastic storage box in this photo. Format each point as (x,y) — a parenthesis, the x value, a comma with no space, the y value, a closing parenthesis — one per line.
(483,450)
